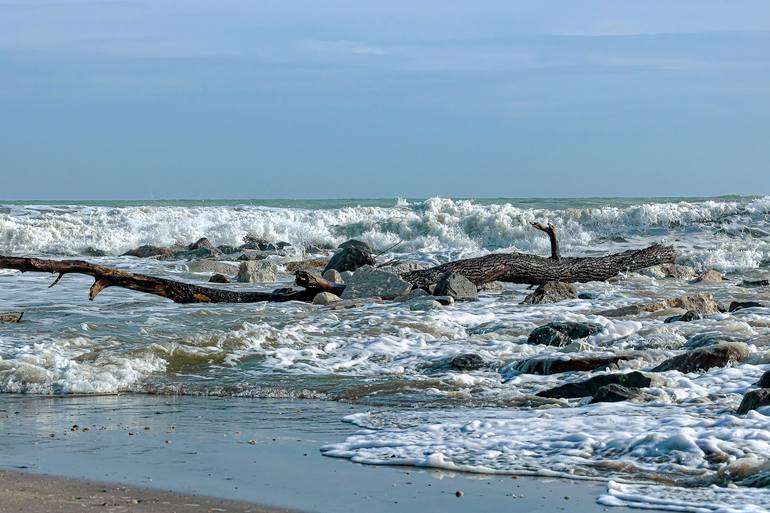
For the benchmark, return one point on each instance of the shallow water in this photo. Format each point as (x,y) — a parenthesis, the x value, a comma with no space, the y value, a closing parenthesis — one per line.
(386,357)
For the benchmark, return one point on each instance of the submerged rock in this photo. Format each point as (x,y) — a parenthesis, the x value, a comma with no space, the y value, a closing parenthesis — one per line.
(560,334)
(257,271)
(562,363)
(688,316)
(370,282)
(423,304)
(754,399)
(740,305)
(333,276)
(354,303)
(444,300)
(755,283)
(591,386)
(705,358)
(614,393)
(325,298)
(458,287)
(709,338)
(467,362)
(219,278)
(703,304)
(551,292)
(11,317)
(351,255)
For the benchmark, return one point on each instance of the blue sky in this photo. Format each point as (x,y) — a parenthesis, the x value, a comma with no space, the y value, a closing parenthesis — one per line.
(258,99)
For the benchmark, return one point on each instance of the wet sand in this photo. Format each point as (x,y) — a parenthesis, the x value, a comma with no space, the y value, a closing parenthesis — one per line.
(256,451)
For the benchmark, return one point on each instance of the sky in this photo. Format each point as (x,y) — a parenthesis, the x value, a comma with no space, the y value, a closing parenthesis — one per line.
(158,99)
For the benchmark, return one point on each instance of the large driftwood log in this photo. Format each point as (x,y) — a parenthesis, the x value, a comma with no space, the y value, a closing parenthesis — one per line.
(507,267)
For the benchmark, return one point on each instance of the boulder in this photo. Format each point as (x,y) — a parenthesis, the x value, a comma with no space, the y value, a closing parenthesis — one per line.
(312,264)
(325,298)
(560,334)
(192,254)
(709,277)
(148,251)
(586,295)
(333,276)
(614,393)
(423,304)
(764,381)
(705,358)
(212,266)
(257,271)
(702,303)
(551,292)
(219,278)
(755,283)
(370,282)
(556,364)
(688,316)
(669,271)
(202,243)
(493,287)
(94,252)
(708,338)
(457,286)
(10,317)
(740,305)
(467,362)
(754,399)
(590,386)
(226,249)
(351,255)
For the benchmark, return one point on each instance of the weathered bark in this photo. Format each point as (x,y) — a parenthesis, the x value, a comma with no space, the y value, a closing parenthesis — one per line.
(535,270)
(179,292)
(507,267)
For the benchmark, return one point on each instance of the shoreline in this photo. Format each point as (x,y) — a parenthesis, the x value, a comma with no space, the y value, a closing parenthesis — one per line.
(255,454)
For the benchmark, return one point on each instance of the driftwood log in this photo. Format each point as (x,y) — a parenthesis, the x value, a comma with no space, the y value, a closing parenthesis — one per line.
(506,267)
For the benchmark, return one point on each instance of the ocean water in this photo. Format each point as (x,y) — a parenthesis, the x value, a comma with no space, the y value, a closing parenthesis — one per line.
(685,450)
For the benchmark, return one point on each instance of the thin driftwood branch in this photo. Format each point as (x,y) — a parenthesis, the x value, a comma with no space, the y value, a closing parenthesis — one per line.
(551,231)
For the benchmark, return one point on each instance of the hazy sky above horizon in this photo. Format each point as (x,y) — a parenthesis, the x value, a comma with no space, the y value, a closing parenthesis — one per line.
(153,99)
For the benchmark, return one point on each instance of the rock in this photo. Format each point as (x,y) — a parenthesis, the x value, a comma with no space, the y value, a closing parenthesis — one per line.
(371,282)
(10,317)
(688,316)
(702,303)
(669,271)
(740,305)
(282,244)
(212,266)
(192,254)
(423,304)
(257,271)
(755,283)
(709,277)
(219,278)
(566,363)
(148,251)
(708,338)
(551,292)
(350,256)
(311,264)
(202,243)
(586,295)
(467,362)
(412,294)
(590,386)
(457,286)
(705,358)
(248,254)
(560,334)
(493,287)
(614,393)
(404,266)
(226,249)
(354,303)
(325,298)
(754,399)
(333,276)
(94,252)
(764,381)
(346,275)
(444,300)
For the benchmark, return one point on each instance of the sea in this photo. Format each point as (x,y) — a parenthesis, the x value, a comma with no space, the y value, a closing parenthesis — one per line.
(682,449)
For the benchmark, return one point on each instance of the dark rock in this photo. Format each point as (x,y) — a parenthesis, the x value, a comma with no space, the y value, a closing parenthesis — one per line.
(755,283)
(740,305)
(282,244)
(560,334)
(614,393)
(252,255)
(590,386)
(551,292)
(558,364)
(94,252)
(193,254)
(586,295)
(764,381)
(457,286)
(467,362)
(351,255)
(219,278)
(148,251)
(705,358)
(11,317)
(708,338)
(202,243)
(226,249)
(685,317)
(754,399)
